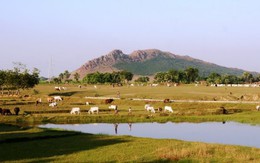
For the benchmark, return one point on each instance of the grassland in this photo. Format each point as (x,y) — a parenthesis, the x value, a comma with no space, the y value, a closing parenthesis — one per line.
(21,143)
(43,145)
(240,103)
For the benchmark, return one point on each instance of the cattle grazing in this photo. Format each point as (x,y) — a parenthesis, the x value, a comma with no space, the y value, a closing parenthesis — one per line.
(224,110)
(50,99)
(258,107)
(146,105)
(38,101)
(53,104)
(16,110)
(93,109)
(108,101)
(166,100)
(149,108)
(6,112)
(168,108)
(57,88)
(160,109)
(57,98)
(87,103)
(112,107)
(75,111)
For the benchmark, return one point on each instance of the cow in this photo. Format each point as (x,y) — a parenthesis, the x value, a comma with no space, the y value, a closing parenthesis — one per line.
(149,108)
(112,107)
(160,109)
(93,109)
(53,104)
(258,107)
(16,110)
(38,101)
(168,108)
(57,98)
(166,100)
(75,110)
(57,88)
(50,99)
(146,105)
(108,101)
(6,112)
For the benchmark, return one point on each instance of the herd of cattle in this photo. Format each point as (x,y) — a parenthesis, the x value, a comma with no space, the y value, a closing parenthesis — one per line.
(53,102)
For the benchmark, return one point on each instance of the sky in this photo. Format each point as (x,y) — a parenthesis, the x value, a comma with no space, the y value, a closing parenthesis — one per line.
(59,35)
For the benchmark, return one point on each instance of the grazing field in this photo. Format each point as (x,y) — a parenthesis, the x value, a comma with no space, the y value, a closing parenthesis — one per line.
(21,142)
(189,103)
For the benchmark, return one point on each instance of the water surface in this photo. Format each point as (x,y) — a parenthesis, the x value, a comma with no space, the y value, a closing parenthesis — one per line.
(210,132)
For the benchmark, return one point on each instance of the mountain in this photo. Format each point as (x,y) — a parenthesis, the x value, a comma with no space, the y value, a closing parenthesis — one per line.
(148,62)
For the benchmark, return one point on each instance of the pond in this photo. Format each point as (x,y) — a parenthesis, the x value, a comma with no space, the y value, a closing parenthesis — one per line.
(211,132)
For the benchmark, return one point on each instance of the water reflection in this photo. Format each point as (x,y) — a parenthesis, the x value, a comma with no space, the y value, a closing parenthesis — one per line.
(116,126)
(211,132)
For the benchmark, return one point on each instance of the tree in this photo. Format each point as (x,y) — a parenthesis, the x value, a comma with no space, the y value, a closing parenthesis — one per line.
(191,74)
(247,77)
(66,75)
(160,77)
(214,78)
(126,76)
(17,79)
(142,79)
(76,77)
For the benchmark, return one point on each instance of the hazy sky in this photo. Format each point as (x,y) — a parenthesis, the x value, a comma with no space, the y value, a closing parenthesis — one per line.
(71,32)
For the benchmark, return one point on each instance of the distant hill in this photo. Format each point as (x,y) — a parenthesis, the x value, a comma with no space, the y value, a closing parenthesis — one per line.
(149,62)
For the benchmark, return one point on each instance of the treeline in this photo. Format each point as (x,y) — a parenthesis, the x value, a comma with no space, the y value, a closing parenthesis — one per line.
(114,77)
(19,78)
(187,76)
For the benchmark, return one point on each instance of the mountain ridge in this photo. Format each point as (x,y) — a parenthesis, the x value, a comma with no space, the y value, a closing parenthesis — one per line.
(150,61)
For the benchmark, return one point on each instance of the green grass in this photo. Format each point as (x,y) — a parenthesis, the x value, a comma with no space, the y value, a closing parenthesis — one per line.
(44,145)
(24,143)
(183,111)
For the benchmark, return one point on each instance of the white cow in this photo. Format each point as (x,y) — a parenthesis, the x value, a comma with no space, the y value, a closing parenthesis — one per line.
(146,105)
(168,108)
(57,98)
(75,110)
(112,107)
(258,107)
(93,109)
(57,88)
(53,104)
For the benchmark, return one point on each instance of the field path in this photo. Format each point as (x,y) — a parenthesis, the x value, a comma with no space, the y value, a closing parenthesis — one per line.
(180,101)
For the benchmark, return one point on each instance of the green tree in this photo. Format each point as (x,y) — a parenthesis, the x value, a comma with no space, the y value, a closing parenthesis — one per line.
(142,79)
(76,77)
(214,78)
(247,77)
(191,74)
(126,76)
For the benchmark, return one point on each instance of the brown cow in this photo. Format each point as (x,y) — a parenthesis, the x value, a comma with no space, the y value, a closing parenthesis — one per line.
(6,112)
(166,100)
(108,101)
(16,110)
(50,99)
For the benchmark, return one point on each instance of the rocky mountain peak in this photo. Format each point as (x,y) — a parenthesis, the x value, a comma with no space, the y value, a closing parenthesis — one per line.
(142,55)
